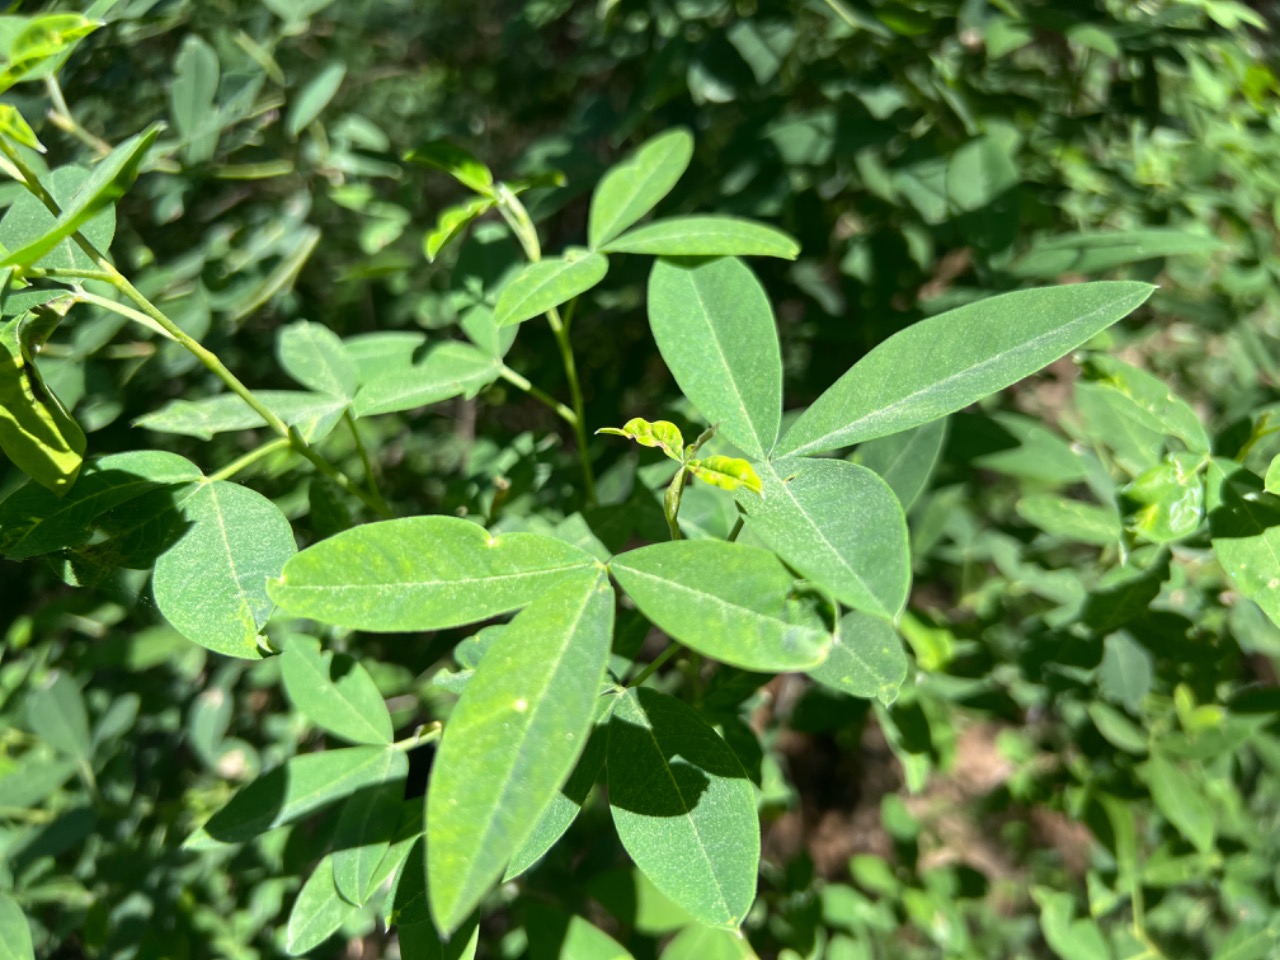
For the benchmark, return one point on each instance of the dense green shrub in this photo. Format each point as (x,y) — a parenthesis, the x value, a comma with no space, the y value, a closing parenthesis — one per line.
(275,273)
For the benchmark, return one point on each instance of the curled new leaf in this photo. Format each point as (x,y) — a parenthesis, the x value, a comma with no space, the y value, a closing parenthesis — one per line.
(16,128)
(660,433)
(727,473)
(456,162)
(452,221)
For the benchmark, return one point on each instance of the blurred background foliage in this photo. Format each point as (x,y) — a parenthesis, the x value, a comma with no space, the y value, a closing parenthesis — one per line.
(1084,764)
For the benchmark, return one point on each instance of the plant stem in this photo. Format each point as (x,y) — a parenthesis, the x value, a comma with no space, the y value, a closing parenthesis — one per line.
(424,734)
(61,117)
(737,528)
(250,458)
(658,661)
(108,273)
(671,503)
(523,383)
(370,475)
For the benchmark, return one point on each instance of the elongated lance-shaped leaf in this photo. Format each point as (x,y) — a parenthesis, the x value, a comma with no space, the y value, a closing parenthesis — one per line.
(212,583)
(715,330)
(56,714)
(906,460)
(706,236)
(318,912)
(839,525)
(36,431)
(512,741)
(423,573)
(729,601)
(110,179)
(34,520)
(334,692)
(635,186)
(867,659)
(683,806)
(314,414)
(458,163)
(947,362)
(317,358)
(1093,253)
(544,285)
(451,222)
(301,786)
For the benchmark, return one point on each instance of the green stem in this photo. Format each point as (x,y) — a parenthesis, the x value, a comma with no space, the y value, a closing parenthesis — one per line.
(135,315)
(523,383)
(61,117)
(671,503)
(250,458)
(424,734)
(737,528)
(370,475)
(657,663)
(108,273)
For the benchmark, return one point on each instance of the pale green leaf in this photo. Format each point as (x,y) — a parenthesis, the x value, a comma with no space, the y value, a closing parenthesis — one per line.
(1244,527)
(696,942)
(318,913)
(545,285)
(56,714)
(727,473)
(635,186)
(705,236)
(314,414)
(1125,674)
(513,739)
(15,932)
(423,573)
(1271,483)
(458,163)
(716,332)
(212,583)
(729,601)
(1072,519)
(446,369)
(1179,797)
(906,460)
(334,692)
(949,361)
(1069,938)
(1091,253)
(867,659)
(1154,405)
(314,97)
(661,433)
(683,807)
(316,357)
(14,126)
(379,355)
(839,525)
(1166,502)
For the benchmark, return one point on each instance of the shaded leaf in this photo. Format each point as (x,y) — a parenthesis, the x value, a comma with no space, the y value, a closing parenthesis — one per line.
(456,162)
(314,414)
(906,460)
(334,692)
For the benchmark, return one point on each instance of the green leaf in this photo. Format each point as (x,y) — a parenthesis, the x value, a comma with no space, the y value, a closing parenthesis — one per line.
(512,741)
(1154,405)
(1271,483)
(15,932)
(544,285)
(28,219)
(423,573)
(906,460)
(449,368)
(301,786)
(867,659)
(14,126)
(42,46)
(555,935)
(839,525)
(727,473)
(364,833)
(34,521)
(318,913)
(696,942)
(451,222)
(314,414)
(1092,253)
(1117,729)
(456,162)
(715,330)
(314,97)
(110,180)
(1167,501)
(420,941)
(1179,797)
(56,714)
(705,236)
(317,358)
(1069,938)
(567,804)
(1124,676)
(192,98)
(1073,519)
(334,692)
(378,355)
(661,433)
(36,431)
(635,186)
(683,807)
(729,601)
(1244,527)
(949,361)
(980,173)
(212,583)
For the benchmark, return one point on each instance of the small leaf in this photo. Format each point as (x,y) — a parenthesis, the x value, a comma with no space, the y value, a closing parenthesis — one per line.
(554,935)
(1167,501)
(420,941)
(951,360)
(451,222)
(906,460)
(716,332)
(314,97)
(449,368)
(1244,527)
(729,601)
(635,186)
(839,525)
(727,473)
(661,433)
(1154,405)
(705,236)
(301,786)
(1180,798)
(1271,483)
(1072,519)
(56,714)
(867,659)
(512,741)
(314,356)
(683,807)
(544,285)
(363,835)
(1094,253)
(314,414)
(192,98)
(15,932)
(456,162)
(14,126)
(212,583)
(334,692)
(423,573)
(696,942)
(318,913)
(43,45)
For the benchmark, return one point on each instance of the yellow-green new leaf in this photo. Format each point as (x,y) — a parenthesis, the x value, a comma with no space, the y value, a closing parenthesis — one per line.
(42,45)
(451,222)
(683,807)
(660,433)
(727,473)
(14,126)
(458,163)
(423,573)
(635,186)
(544,285)
(706,236)
(555,935)
(512,741)
(729,601)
